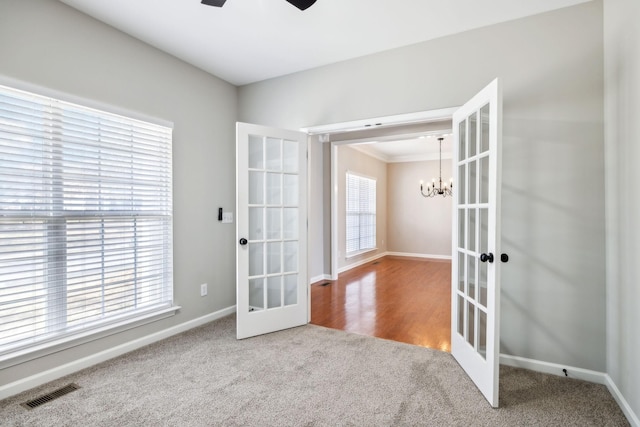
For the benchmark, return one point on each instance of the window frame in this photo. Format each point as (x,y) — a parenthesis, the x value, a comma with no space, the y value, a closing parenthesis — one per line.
(360,213)
(119,322)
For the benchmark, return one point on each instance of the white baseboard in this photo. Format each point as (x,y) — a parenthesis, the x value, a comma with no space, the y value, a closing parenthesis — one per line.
(553,368)
(429,256)
(578,373)
(319,278)
(19,386)
(362,262)
(622,402)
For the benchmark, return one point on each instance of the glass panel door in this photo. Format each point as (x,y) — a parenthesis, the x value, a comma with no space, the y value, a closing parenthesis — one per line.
(475,269)
(271,230)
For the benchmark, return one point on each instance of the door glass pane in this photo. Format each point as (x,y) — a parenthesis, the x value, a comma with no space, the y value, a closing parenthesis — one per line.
(462,147)
(460,315)
(462,220)
(483,221)
(461,264)
(274,292)
(274,189)
(274,223)
(484,180)
(290,184)
(255,224)
(256,259)
(471,276)
(472,181)
(274,258)
(290,262)
(482,285)
(472,230)
(291,289)
(482,333)
(256,155)
(273,157)
(256,188)
(485,114)
(471,319)
(462,179)
(256,294)
(473,134)
(290,223)
(290,156)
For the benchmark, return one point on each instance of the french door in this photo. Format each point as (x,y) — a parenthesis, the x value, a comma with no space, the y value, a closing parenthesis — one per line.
(271,230)
(475,305)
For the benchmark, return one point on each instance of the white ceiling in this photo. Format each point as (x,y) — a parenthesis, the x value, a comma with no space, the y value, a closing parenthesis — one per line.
(252,40)
(408,150)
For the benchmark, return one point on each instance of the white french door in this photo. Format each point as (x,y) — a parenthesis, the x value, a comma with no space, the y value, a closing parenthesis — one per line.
(271,231)
(476,258)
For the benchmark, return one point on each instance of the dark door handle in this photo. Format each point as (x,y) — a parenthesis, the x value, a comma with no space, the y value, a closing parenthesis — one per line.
(504,258)
(486,257)
(243,241)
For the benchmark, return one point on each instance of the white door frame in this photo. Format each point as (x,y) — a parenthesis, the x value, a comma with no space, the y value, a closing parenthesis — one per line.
(325,132)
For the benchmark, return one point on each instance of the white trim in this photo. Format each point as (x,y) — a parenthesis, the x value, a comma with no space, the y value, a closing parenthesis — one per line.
(622,402)
(319,278)
(359,263)
(427,256)
(379,122)
(577,373)
(553,368)
(360,252)
(27,383)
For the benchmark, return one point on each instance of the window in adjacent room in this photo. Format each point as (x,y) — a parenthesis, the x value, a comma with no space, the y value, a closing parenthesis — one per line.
(85,221)
(361,214)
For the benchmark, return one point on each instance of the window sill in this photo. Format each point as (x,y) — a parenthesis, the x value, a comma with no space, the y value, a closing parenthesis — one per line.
(22,355)
(355,254)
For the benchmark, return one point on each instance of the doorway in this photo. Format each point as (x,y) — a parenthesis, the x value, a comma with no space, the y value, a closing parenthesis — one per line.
(373,282)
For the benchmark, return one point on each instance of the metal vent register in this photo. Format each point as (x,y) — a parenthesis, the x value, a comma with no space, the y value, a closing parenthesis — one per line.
(41,400)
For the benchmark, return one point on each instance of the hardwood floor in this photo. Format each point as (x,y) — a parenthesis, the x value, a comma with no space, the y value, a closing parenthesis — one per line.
(397,298)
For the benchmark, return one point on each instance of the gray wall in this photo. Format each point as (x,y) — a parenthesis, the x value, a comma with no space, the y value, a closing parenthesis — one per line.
(352,160)
(551,68)
(418,225)
(553,289)
(622,84)
(46,43)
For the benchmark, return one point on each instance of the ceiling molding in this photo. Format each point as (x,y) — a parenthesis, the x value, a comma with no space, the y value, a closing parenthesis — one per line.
(383,122)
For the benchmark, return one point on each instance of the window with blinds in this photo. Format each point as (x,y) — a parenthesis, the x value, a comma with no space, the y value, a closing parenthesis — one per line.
(85,219)
(361,214)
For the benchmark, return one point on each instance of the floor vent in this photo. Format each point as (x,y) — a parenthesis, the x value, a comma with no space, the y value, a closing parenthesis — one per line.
(375,263)
(325,284)
(41,400)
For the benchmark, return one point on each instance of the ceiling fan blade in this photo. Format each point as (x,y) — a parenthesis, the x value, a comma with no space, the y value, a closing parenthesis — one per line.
(216,3)
(302,4)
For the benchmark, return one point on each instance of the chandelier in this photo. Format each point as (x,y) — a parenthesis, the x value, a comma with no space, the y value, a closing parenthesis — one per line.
(440,190)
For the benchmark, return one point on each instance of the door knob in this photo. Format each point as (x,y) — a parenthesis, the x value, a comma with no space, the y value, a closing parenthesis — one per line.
(486,257)
(243,241)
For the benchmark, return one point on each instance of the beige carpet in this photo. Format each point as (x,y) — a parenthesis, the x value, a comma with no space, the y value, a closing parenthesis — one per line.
(307,376)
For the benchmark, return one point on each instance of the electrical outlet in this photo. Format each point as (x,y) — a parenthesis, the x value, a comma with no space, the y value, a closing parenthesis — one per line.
(203,290)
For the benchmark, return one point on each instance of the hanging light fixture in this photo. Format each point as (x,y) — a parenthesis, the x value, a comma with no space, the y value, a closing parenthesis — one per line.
(440,190)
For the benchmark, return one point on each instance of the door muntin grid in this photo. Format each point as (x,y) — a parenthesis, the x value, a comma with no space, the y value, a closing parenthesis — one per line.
(273,203)
(473,214)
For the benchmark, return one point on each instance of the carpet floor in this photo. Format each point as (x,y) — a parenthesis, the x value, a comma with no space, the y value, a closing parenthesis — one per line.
(306,376)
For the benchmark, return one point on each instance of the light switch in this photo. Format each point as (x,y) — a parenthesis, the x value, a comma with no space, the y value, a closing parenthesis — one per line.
(227,217)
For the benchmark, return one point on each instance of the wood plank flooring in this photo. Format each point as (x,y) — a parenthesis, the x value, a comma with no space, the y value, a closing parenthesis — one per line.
(397,298)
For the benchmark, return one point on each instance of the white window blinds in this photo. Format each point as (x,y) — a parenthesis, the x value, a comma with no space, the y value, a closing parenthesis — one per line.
(361,214)
(85,219)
